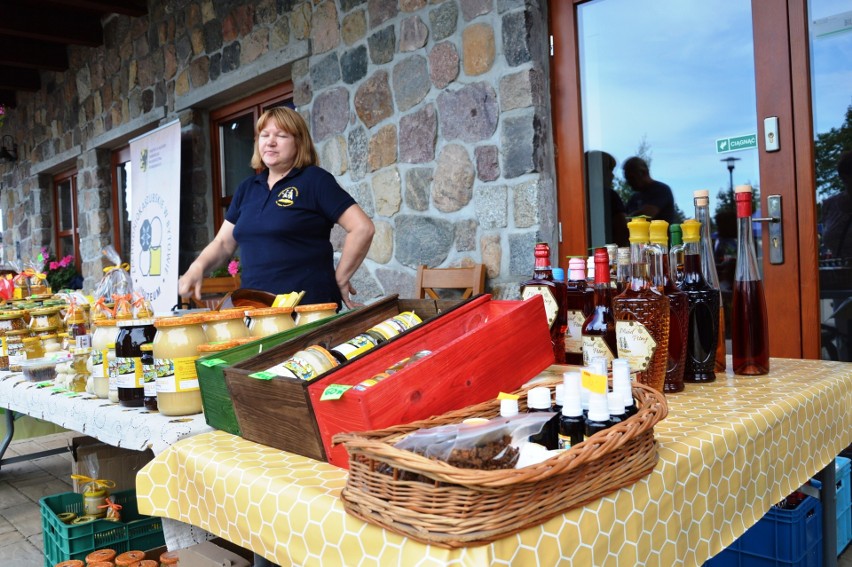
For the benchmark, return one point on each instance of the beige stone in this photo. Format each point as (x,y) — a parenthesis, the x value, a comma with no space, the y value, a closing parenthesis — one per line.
(182,83)
(354,27)
(382,150)
(478,48)
(452,188)
(254,46)
(492,254)
(334,157)
(381,249)
(300,21)
(325,31)
(387,191)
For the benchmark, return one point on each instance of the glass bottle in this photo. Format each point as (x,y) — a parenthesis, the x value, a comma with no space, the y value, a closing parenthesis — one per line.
(554,295)
(598,418)
(676,252)
(749,329)
(572,424)
(132,334)
(678,311)
(579,305)
(612,254)
(701,198)
(703,310)
(599,327)
(622,269)
(642,313)
(538,400)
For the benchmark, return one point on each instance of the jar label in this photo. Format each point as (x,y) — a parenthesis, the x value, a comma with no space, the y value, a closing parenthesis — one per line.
(128,372)
(112,372)
(635,344)
(295,367)
(574,332)
(149,379)
(176,374)
(551,307)
(99,369)
(355,346)
(595,346)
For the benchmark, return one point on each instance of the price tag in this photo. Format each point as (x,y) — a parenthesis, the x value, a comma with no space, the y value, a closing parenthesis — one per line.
(264,375)
(45,384)
(210,363)
(595,383)
(58,390)
(334,392)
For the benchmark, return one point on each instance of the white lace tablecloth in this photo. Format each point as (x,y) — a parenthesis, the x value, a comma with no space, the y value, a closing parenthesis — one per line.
(130,428)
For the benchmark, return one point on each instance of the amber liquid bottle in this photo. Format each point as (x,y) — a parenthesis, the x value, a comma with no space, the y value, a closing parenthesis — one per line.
(703,310)
(642,314)
(554,294)
(599,327)
(678,311)
(701,198)
(622,269)
(749,329)
(578,306)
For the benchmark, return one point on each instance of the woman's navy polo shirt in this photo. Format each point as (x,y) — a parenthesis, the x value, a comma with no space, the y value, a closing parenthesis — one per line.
(284,233)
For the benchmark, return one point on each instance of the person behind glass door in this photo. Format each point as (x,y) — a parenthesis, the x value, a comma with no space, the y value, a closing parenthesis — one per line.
(650,197)
(282,219)
(614,209)
(837,213)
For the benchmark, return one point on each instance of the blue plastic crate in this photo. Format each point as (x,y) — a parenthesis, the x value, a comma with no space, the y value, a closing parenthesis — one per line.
(843,501)
(781,538)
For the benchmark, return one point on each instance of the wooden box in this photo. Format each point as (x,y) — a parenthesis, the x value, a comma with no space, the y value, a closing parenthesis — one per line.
(478,348)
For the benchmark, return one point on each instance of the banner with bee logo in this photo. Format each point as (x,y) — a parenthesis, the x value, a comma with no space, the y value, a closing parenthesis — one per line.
(154,187)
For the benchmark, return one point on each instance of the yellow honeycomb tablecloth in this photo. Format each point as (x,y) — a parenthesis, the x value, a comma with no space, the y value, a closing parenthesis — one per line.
(727,452)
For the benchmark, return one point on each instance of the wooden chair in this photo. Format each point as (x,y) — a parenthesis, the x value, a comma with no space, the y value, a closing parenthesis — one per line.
(212,291)
(470,280)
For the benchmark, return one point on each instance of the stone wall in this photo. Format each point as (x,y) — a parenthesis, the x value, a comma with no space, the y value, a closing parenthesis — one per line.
(433,114)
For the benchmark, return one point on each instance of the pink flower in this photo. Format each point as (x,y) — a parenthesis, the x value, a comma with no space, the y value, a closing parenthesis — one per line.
(64,262)
(54,265)
(233,267)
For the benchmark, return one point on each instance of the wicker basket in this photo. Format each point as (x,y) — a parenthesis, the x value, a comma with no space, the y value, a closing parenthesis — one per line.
(467,507)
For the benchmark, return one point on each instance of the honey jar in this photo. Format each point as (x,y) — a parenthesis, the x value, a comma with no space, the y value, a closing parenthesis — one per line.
(13,349)
(33,347)
(225,325)
(270,320)
(306,364)
(175,352)
(12,320)
(314,312)
(46,318)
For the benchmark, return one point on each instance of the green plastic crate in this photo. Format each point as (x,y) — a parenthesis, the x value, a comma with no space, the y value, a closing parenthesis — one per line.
(65,541)
(215,397)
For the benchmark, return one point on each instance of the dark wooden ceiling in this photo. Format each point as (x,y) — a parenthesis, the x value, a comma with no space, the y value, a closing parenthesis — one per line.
(35,35)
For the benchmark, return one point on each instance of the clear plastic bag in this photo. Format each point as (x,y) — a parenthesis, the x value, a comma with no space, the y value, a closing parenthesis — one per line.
(116,279)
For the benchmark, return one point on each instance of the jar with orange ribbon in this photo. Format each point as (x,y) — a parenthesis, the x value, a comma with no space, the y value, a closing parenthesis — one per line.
(95,493)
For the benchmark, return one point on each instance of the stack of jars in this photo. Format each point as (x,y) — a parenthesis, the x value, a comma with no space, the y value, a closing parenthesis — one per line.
(13,330)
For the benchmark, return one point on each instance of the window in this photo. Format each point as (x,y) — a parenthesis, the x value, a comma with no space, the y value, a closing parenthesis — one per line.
(121,202)
(66,231)
(232,133)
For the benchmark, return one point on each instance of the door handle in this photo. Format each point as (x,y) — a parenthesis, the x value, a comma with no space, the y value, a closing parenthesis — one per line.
(776,228)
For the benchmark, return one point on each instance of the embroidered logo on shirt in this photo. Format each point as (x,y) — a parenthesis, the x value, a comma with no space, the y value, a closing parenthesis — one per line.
(287,196)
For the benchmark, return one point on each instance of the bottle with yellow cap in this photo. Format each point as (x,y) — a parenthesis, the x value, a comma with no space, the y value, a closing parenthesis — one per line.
(642,312)
(678,310)
(703,310)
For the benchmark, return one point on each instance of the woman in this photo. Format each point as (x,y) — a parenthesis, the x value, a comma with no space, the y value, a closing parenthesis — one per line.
(282,219)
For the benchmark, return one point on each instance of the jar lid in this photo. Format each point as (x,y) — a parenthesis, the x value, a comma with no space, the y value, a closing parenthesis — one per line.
(224,345)
(19,333)
(49,336)
(101,555)
(53,309)
(270,311)
(134,322)
(8,314)
(315,307)
(104,322)
(225,315)
(31,339)
(129,558)
(179,321)
(169,558)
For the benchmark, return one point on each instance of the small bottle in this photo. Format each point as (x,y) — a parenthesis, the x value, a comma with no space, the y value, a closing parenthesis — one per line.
(703,311)
(612,254)
(676,259)
(554,296)
(558,275)
(701,199)
(579,305)
(149,376)
(590,270)
(615,403)
(621,383)
(750,331)
(559,397)
(538,399)
(572,425)
(642,312)
(622,269)
(598,418)
(508,408)
(678,311)
(599,327)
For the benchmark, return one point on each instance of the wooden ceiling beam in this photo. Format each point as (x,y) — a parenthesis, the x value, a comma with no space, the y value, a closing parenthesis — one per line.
(32,54)
(19,79)
(132,8)
(8,98)
(57,25)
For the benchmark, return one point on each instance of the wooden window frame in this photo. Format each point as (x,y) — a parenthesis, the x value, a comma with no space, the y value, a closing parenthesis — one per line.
(74,231)
(253,105)
(117,157)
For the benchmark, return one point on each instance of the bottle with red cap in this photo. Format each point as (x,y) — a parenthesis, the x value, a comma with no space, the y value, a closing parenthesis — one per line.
(579,305)
(599,327)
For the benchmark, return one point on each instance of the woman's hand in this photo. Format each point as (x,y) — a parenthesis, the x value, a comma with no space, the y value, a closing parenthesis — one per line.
(346,290)
(190,282)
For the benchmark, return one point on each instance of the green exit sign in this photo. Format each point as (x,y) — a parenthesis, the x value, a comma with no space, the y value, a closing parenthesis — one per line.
(736,143)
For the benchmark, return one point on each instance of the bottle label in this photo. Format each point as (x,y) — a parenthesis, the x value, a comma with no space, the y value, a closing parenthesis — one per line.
(149,379)
(112,371)
(574,333)
(635,344)
(295,367)
(595,347)
(98,367)
(176,374)
(551,307)
(128,372)
(355,346)
(564,441)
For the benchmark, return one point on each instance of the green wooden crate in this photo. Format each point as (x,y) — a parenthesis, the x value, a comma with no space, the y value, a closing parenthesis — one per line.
(215,397)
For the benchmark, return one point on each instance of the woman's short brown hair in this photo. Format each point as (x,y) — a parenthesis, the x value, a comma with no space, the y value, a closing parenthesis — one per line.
(291,122)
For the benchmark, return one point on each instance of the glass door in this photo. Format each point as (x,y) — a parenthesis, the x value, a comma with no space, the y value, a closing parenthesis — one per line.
(688,95)
(830,36)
